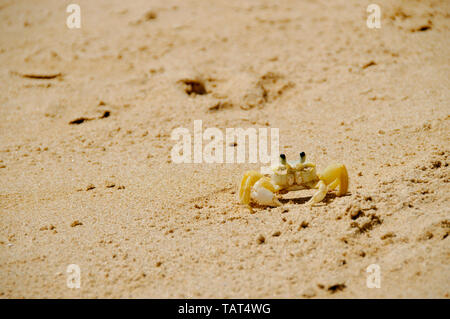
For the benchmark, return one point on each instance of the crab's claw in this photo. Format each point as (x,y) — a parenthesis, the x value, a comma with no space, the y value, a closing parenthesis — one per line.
(248,180)
(257,188)
(263,193)
(333,176)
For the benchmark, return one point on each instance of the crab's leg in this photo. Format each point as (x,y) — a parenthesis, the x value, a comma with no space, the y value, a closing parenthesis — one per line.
(320,194)
(336,175)
(333,185)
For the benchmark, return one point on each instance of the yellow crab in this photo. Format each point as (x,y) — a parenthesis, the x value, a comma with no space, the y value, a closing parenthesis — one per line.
(262,188)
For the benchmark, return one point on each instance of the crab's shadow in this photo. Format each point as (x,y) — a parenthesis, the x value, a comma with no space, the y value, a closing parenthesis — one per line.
(304,199)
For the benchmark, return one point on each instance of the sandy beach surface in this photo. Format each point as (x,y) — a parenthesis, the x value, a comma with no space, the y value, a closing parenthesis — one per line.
(86,175)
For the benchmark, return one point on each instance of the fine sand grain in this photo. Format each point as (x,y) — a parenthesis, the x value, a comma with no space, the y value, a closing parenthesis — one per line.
(86,175)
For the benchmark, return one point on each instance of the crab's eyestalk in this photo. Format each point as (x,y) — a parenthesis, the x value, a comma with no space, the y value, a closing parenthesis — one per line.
(283,159)
(302,157)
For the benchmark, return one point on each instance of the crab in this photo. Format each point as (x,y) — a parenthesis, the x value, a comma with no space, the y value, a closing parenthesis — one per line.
(262,187)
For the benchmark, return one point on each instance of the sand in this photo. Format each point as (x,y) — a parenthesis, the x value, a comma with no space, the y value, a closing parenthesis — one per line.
(86,175)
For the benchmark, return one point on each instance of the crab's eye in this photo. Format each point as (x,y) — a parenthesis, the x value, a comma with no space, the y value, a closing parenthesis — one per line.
(302,157)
